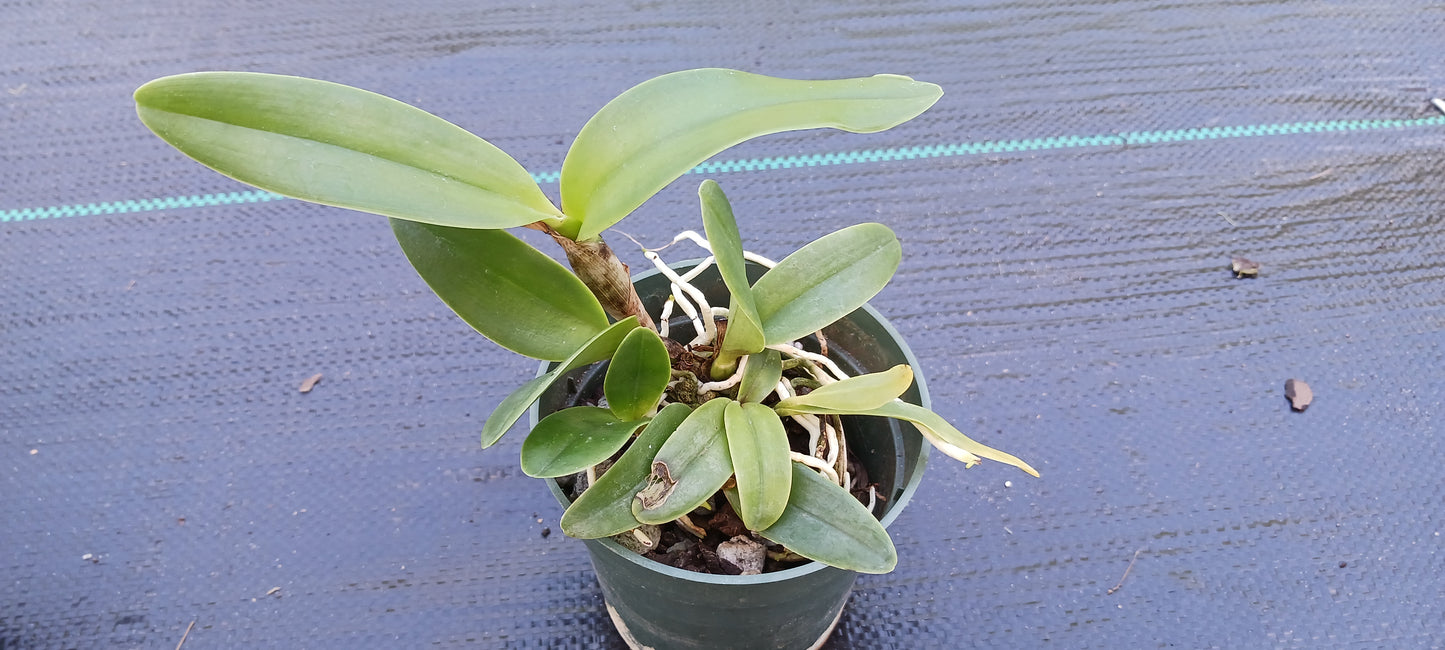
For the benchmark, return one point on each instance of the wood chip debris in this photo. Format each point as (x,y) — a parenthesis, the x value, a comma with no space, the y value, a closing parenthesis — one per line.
(310,382)
(1299,394)
(1244,268)
(183,636)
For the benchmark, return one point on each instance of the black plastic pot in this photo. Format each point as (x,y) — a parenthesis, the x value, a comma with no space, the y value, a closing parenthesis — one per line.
(657,606)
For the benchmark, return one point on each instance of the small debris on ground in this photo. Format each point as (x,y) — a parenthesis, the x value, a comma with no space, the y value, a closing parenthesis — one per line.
(274,590)
(1126,573)
(1244,268)
(183,636)
(1299,394)
(310,382)
(546,532)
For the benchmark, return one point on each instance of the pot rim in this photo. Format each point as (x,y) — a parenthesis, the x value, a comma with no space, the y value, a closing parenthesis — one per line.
(894,510)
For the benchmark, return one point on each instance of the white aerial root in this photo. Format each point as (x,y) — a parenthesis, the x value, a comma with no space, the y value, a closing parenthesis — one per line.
(810,424)
(695,271)
(706,329)
(813,462)
(818,360)
(703,243)
(718,386)
(662,324)
(783,390)
(831,435)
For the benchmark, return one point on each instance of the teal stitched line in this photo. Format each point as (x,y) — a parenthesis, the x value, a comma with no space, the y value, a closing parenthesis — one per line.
(815,160)
(141,205)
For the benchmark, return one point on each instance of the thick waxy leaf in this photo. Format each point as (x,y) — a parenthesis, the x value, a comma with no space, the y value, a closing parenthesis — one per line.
(662,128)
(510,292)
(862,392)
(605,509)
(744,333)
(691,466)
(825,523)
(637,375)
(571,440)
(343,146)
(760,376)
(825,280)
(943,435)
(758,446)
(513,406)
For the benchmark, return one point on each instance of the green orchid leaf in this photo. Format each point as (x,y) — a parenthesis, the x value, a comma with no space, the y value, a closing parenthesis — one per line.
(824,522)
(638,374)
(760,376)
(691,466)
(605,509)
(758,447)
(660,129)
(856,393)
(337,145)
(937,430)
(573,439)
(825,280)
(513,406)
(745,332)
(504,288)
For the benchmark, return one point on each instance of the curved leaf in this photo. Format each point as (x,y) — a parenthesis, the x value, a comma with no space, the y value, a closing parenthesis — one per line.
(638,374)
(758,447)
(745,332)
(688,468)
(510,292)
(660,129)
(825,523)
(856,393)
(333,144)
(760,376)
(825,280)
(605,508)
(513,406)
(943,435)
(571,440)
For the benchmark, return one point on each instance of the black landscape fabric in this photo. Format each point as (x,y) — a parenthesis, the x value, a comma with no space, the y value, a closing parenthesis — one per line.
(1069,212)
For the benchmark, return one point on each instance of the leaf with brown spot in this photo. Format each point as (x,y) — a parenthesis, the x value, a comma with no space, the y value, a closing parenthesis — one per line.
(694,459)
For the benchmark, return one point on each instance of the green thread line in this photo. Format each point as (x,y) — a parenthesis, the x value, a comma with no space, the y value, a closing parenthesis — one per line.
(140,205)
(815,160)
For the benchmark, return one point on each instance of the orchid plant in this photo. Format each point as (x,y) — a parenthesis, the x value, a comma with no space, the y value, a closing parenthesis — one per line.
(678,422)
